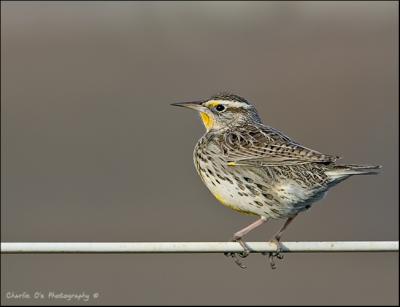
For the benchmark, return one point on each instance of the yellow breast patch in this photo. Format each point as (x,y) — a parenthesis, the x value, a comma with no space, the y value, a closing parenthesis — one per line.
(220,199)
(226,204)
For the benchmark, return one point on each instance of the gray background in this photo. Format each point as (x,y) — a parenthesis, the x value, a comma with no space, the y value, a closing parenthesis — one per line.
(92,150)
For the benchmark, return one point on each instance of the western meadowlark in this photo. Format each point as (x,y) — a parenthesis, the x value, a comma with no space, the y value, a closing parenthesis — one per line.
(255,169)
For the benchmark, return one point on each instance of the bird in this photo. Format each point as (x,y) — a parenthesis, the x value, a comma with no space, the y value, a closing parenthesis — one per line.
(257,170)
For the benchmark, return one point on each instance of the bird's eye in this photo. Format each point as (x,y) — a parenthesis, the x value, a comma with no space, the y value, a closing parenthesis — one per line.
(220,108)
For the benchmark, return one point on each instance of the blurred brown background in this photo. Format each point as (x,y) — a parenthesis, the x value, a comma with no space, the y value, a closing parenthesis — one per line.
(92,150)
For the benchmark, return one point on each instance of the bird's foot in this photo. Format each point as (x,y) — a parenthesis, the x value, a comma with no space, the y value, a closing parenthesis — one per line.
(277,254)
(234,255)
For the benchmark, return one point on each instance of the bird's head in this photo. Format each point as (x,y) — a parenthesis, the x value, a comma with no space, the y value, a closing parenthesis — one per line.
(223,110)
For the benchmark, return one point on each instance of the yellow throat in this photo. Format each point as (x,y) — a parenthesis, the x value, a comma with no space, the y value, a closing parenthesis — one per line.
(207,120)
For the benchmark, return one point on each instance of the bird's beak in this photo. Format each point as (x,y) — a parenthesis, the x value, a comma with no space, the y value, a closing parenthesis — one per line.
(204,112)
(195,105)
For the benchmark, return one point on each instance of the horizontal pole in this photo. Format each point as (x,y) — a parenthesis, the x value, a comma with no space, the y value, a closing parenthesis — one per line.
(195,247)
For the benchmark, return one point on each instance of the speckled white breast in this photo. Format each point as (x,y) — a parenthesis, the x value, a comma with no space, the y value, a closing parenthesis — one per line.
(249,189)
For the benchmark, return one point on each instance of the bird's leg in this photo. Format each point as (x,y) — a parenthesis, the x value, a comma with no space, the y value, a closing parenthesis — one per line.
(237,237)
(276,239)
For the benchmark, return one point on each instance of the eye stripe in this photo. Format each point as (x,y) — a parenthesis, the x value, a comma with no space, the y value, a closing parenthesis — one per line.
(213,104)
(231,104)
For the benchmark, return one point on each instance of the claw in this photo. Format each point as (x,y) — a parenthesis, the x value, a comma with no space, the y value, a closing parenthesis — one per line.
(244,254)
(272,261)
(236,259)
(277,254)
(246,250)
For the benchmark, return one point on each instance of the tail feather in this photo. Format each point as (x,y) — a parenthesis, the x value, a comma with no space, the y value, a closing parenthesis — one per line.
(344,171)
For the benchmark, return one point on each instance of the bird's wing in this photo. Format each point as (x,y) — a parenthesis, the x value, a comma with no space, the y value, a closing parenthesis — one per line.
(264,146)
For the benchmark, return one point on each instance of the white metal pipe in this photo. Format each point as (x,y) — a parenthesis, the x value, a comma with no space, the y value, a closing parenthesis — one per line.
(195,247)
